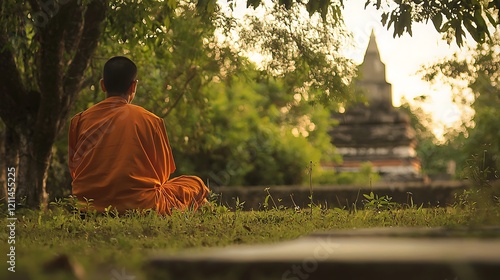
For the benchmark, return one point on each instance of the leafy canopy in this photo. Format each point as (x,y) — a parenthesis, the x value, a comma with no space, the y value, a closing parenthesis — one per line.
(476,75)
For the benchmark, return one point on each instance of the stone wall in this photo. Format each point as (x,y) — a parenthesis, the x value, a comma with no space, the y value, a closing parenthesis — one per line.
(440,193)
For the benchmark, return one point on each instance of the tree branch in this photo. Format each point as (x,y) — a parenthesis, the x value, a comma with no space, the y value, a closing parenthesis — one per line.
(74,27)
(93,18)
(189,79)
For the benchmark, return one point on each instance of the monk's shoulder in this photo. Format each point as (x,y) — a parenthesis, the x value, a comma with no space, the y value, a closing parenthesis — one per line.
(143,112)
(77,115)
(92,110)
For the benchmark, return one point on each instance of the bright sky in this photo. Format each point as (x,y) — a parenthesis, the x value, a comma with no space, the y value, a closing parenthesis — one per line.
(403,56)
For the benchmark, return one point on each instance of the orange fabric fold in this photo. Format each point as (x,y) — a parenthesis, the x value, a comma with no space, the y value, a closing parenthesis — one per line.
(120,156)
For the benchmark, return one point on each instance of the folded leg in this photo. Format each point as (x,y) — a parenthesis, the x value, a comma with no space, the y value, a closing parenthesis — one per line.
(183,192)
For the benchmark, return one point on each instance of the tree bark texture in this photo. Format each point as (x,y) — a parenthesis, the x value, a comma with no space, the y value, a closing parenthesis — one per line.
(3,166)
(35,112)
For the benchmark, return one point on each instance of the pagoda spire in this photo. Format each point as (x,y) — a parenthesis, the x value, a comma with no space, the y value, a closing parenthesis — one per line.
(372,48)
(378,90)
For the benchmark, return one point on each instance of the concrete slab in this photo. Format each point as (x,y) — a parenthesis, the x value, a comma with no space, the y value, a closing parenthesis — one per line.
(337,255)
(416,232)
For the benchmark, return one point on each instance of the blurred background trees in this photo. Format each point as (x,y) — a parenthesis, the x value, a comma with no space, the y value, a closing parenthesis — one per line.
(475,81)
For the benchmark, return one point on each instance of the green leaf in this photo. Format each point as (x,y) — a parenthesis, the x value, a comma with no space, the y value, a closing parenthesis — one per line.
(408,27)
(367,3)
(479,20)
(286,3)
(437,20)
(459,34)
(371,196)
(490,17)
(384,18)
(266,201)
(312,7)
(472,30)
(166,22)
(253,3)
(392,19)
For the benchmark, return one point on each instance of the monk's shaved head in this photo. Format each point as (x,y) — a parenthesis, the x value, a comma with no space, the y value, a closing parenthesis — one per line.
(118,74)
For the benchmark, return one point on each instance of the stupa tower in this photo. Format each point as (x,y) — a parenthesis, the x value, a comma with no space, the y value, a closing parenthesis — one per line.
(378,91)
(377,132)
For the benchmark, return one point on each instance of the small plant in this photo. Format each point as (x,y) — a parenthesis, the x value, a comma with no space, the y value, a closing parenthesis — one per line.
(483,192)
(465,199)
(477,171)
(237,209)
(69,203)
(87,209)
(111,212)
(410,204)
(374,202)
(310,187)
(295,206)
(409,199)
(214,197)
(58,202)
(266,200)
(239,204)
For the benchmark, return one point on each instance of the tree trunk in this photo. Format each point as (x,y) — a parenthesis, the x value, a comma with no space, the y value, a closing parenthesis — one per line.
(10,147)
(3,167)
(35,112)
(32,172)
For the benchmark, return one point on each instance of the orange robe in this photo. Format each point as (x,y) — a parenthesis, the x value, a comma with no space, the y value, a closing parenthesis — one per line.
(119,155)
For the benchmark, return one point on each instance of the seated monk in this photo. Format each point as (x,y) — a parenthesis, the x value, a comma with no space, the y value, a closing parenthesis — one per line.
(119,153)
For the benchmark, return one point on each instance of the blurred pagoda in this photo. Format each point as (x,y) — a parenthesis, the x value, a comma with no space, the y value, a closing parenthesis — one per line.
(376,132)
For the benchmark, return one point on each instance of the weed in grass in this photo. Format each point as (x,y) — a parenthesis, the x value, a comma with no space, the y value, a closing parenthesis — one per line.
(268,197)
(374,202)
(310,187)
(295,206)
(484,192)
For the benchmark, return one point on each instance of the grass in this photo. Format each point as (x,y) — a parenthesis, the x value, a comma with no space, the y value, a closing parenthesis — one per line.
(104,246)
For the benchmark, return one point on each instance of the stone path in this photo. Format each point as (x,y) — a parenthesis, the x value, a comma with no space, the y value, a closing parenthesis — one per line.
(387,253)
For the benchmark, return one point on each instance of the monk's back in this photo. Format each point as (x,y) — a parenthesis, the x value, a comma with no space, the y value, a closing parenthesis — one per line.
(119,154)
(115,157)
